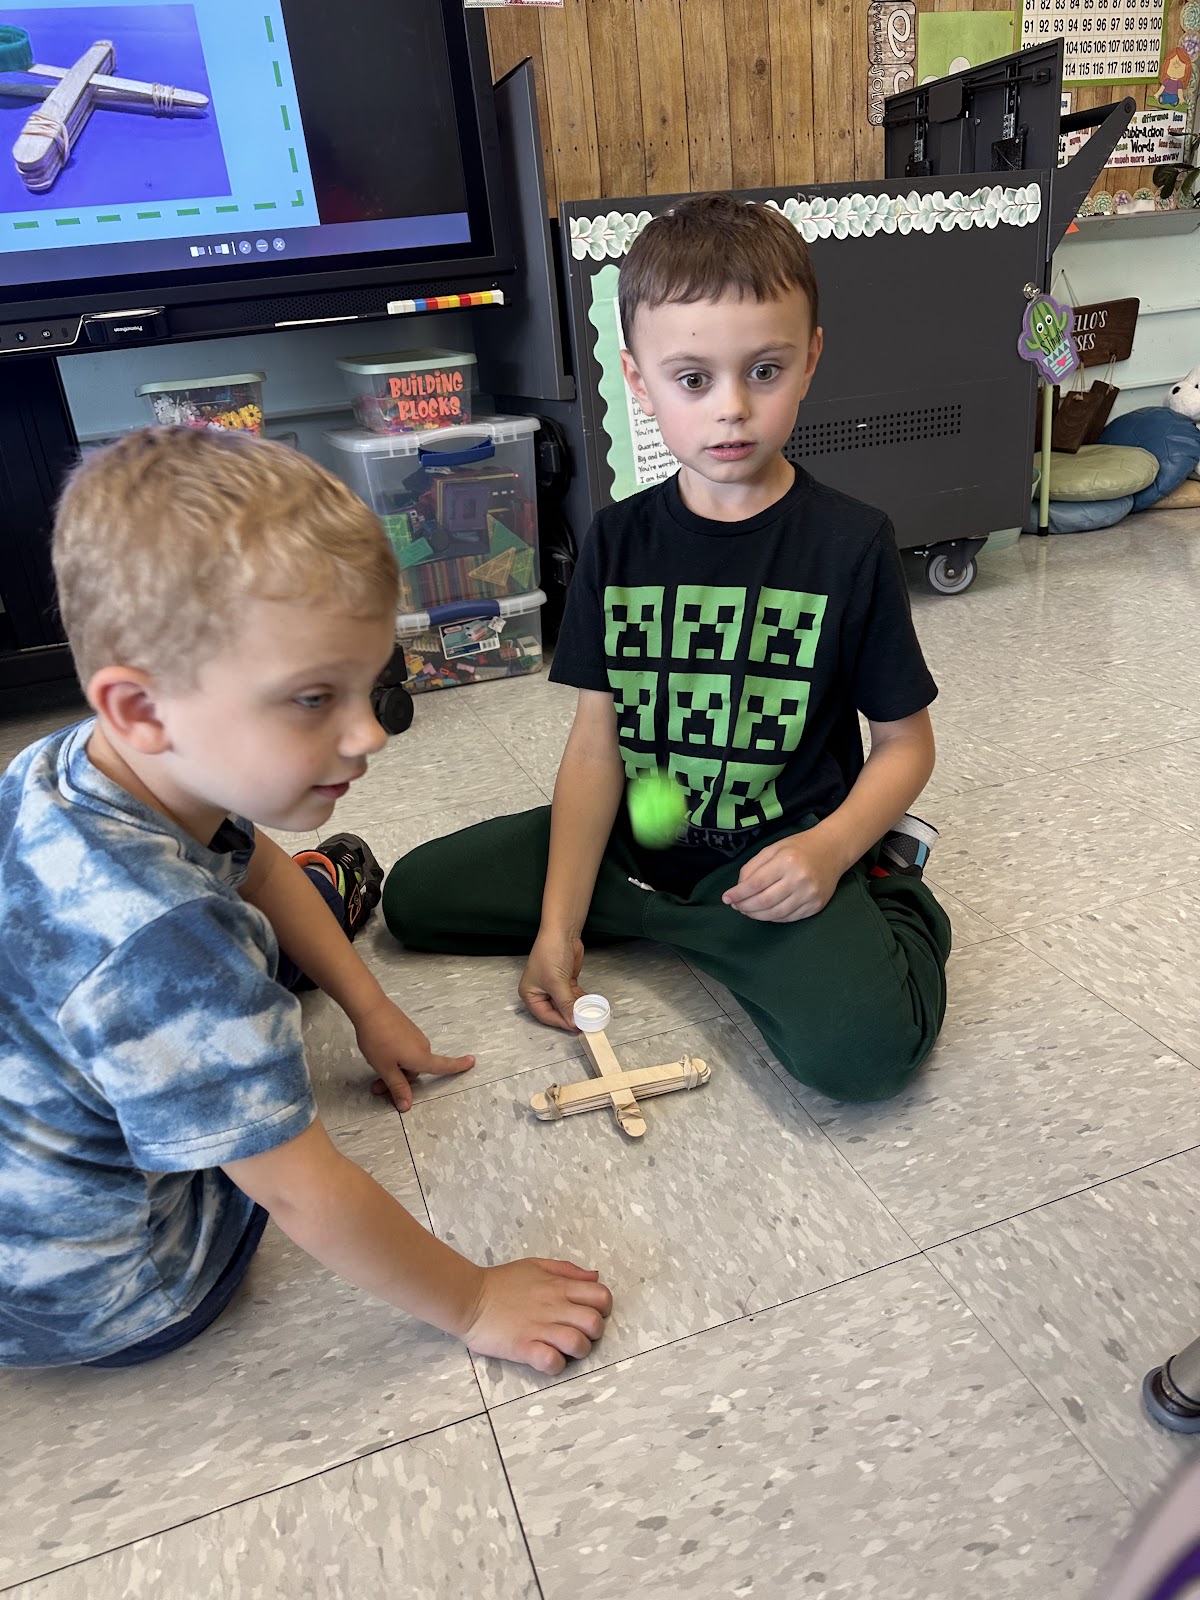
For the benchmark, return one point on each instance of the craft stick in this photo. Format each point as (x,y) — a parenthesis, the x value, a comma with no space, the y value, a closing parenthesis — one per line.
(45,142)
(109,91)
(589,1095)
(600,1053)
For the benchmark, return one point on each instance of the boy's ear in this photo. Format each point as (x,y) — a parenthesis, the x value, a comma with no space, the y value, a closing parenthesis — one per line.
(126,700)
(634,379)
(815,346)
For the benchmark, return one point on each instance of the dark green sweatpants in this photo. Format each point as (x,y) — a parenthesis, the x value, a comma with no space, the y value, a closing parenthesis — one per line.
(850,1000)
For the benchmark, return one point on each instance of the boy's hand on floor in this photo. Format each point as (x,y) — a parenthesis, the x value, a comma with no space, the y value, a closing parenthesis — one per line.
(538,1312)
(550,984)
(788,881)
(398,1051)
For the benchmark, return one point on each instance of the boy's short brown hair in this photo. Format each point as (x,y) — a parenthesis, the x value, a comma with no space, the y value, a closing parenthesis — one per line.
(710,243)
(160,536)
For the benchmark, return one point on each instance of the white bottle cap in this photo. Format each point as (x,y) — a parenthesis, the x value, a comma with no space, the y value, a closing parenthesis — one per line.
(592,1013)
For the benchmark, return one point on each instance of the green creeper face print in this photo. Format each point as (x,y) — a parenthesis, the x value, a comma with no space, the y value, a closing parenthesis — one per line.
(712,684)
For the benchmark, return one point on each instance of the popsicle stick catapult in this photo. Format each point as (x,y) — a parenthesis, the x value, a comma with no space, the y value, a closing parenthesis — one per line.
(612,1085)
(44,144)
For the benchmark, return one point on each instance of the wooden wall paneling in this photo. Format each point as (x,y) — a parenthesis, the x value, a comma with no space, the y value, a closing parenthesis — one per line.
(834,68)
(571,99)
(514,33)
(751,128)
(663,97)
(706,80)
(868,140)
(791,91)
(617,90)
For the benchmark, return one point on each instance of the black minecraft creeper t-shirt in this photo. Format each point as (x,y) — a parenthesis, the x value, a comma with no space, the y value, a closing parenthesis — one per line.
(738,654)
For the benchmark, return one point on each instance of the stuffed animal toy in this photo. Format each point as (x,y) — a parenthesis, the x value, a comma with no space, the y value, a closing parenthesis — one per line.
(1185,396)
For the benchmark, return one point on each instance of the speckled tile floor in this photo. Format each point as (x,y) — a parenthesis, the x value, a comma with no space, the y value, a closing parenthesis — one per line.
(829,1319)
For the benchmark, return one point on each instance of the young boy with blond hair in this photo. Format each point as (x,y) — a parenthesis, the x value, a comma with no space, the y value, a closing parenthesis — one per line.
(229,605)
(727,627)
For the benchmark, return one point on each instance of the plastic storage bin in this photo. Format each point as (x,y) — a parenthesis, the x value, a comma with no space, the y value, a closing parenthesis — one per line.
(472,642)
(411,390)
(460,508)
(232,402)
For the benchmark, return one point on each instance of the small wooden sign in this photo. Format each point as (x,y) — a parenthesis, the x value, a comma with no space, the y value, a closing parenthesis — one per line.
(1104,331)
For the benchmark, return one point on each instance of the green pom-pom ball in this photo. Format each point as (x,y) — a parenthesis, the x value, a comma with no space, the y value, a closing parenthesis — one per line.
(657,810)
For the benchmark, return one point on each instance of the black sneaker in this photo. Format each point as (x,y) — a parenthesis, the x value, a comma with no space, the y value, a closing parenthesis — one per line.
(358,878)
(904,849)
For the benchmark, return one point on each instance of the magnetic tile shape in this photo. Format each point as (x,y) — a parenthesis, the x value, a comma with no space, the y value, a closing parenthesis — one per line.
(468,1005)
(1141,956)
(415,552)
(1165,781)
(522,572)
(432,1519)
(732,1200)
(501,537)
(870,1440)
(1035,1089)
(303,1372)
(1044,848)
(494,574)
(1087,1296)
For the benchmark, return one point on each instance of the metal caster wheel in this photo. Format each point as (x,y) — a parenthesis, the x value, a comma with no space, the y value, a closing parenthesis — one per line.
(949,574)
(1165,1404)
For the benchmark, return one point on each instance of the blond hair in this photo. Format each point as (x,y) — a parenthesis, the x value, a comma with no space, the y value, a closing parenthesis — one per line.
(160,536)
(707,244)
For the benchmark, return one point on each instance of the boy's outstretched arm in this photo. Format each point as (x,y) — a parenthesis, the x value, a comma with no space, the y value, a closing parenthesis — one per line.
(392,1043)
(587,794)
(795,877)
(535,1311)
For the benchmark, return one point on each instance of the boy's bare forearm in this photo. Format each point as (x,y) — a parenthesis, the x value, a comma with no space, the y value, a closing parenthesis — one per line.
(895,772)
(587,795)
(349,1223)
(305,928)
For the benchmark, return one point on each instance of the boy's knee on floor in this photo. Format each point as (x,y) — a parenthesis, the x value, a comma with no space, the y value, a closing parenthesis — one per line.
(409,893)
(859,1067)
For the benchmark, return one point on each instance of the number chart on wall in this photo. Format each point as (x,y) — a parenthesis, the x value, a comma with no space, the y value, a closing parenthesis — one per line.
(1107,41)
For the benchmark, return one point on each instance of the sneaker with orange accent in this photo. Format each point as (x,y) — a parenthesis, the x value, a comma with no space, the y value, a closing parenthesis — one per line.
(355,874)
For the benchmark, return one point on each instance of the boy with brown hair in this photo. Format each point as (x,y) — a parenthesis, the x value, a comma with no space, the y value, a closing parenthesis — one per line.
(229,605)
(727,627)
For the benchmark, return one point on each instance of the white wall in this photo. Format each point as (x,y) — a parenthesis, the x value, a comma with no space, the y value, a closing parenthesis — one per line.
(1164,274)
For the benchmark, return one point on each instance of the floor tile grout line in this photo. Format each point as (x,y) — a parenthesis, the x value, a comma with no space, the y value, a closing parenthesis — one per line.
(700,1333)
(1058,1200)
(1029,1379)
(433,1230)
(247,1499)
(786,1082)
(516,1505)
(1101,905)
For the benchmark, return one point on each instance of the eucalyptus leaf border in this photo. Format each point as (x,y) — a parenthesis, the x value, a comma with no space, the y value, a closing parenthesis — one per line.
(848,216)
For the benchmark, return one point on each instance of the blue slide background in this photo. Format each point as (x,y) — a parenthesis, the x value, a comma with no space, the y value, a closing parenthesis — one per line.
(124,157)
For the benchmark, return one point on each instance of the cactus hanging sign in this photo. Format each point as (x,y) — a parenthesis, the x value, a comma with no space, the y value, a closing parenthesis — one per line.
(1047,338)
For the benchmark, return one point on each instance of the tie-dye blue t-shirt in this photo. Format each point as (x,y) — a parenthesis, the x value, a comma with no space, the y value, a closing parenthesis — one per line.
(143,1043)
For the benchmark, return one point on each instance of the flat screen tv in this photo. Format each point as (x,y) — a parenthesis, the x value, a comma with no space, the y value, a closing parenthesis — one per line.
(229,160)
